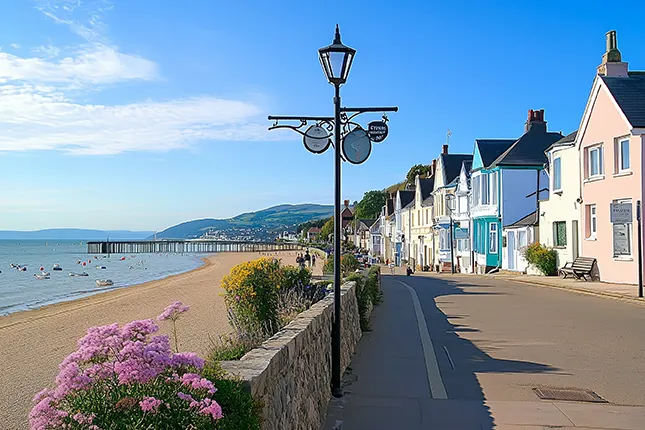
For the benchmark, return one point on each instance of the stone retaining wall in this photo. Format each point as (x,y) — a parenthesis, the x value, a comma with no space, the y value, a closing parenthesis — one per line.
(291,372)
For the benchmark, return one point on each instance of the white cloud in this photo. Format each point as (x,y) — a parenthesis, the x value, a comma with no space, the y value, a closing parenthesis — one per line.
(38,110)
(14,45)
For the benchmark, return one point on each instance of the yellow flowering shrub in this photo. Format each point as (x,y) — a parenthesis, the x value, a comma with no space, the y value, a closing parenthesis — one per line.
(251,292)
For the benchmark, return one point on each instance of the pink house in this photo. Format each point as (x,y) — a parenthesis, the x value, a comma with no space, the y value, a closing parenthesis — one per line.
(610,143)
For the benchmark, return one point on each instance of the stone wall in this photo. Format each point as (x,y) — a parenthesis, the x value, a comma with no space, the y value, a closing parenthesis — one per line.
(291,372)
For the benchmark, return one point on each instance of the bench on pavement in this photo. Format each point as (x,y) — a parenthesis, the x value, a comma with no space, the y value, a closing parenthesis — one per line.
(580,268)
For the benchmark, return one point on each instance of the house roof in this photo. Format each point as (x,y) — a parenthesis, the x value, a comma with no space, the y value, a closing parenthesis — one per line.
(567,140)
(389,210)
(490,149)
(529,149)
(406,197)
(313,230)
(530,219)
(452,165)
(368,222)
(426,185)
(629,93)
(467,165)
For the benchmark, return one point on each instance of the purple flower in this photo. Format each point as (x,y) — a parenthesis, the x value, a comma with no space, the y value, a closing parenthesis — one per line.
(139,330)
(212,408)
(187,359)
(149,404)
(83,419)
(197,382)
(173,311)
(186,397)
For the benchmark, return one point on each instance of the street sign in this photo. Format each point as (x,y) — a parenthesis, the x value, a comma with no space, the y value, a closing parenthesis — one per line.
(316,139)
(357,146)
(621,213)
(377,131)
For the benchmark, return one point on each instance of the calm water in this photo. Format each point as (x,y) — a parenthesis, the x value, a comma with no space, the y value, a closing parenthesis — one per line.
(21,290)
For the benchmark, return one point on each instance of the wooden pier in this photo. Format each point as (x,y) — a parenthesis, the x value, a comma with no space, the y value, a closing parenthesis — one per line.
(186,246)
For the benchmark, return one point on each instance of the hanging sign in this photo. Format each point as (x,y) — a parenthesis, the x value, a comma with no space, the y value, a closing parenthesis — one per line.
(377,131)
(621,213)
(357,146)
(316,139)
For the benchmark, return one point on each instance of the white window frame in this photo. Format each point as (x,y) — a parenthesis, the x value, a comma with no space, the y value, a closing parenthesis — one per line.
(593,216)
(601,171)
(557,174)
(629,227)
(555,234)
(493,232)
(493,188)
(618,156)
(485,189)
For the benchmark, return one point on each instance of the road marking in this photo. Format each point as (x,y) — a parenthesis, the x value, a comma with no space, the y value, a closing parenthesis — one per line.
(452,364)
(437,388)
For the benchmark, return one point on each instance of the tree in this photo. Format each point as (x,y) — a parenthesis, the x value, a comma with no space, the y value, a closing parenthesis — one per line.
(370,206)
(327,229)
(418,169)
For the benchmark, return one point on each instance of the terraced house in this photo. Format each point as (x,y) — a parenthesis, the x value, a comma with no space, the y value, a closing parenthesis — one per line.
(506,190)
(422,236)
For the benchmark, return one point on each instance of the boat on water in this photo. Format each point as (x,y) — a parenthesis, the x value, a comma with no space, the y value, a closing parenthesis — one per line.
(79,274)
(45,274)
(57,267)
(41,276)
(104,282)
(101,267)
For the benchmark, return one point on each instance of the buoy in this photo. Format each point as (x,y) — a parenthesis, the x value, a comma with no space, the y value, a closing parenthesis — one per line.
(84,263)
(89,261)
(42,268)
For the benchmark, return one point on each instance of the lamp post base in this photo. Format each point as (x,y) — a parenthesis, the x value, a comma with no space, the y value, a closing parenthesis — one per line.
(337,392)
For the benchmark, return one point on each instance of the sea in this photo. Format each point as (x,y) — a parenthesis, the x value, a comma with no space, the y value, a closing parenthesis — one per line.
(21,290)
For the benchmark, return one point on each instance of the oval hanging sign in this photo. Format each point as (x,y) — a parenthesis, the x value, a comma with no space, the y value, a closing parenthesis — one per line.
(316,139)
(357,146)
(377,131)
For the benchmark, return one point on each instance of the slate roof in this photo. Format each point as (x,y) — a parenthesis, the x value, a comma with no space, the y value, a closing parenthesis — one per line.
(389,210)
(314,230)
(426,185)
(452,165)
(368,222)
(565,141)
(530,219)
(490,149)
(629,93)
(468,164)
(406,196)
(529,149)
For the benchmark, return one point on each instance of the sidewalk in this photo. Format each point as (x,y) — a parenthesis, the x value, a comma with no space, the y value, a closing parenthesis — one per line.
(395,382)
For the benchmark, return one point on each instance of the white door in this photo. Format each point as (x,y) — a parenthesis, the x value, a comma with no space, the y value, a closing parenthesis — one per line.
(510,239)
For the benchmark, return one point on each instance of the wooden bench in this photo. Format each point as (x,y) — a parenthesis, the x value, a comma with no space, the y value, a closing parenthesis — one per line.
(580,268)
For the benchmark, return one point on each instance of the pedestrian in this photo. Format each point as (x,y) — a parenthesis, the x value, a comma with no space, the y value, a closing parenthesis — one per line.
(313,260)
(308,258)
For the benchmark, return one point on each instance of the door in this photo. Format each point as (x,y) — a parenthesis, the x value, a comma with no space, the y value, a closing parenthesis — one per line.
(510,239)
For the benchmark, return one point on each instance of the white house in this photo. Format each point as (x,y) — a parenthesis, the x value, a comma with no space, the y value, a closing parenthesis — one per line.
(560,212)
(402,225)
(516,237)
(460,207)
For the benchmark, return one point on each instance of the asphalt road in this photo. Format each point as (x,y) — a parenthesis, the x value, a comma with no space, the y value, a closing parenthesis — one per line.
(496,339)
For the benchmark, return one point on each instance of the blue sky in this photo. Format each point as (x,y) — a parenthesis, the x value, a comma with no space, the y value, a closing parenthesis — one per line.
(143,114)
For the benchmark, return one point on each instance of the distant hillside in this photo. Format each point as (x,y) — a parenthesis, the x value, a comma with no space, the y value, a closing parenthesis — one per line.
(274,218)
(73,234)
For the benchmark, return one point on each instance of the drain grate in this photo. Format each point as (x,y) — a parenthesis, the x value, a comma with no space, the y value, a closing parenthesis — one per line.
(568,394)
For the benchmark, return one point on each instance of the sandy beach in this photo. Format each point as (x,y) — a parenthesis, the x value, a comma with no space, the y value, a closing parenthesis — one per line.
(33,343)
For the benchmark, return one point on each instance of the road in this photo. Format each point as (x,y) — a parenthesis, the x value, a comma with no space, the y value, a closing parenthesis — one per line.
(493,342)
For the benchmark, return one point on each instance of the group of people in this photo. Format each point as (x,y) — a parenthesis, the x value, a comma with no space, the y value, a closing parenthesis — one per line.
(306,259)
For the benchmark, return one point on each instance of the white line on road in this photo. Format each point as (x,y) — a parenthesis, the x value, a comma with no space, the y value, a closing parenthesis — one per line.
(432,366)
(449,358)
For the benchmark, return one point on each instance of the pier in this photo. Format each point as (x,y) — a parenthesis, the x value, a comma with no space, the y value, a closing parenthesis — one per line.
(186,246)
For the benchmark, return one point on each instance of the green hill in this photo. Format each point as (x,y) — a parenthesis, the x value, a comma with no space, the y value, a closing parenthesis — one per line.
(275,218)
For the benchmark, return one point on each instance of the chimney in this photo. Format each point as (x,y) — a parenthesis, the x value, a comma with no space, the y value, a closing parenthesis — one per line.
(444,149)
(535,121)
(612,64)
(346,202)
(434,166)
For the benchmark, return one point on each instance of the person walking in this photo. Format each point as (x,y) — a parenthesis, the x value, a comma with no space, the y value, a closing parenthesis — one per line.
(307,258)
(313,260)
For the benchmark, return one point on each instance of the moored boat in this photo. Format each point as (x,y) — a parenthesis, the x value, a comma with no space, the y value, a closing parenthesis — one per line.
(79,274)
(57,267)
(104,282)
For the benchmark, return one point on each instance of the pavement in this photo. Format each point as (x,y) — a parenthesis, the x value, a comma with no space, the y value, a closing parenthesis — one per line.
(455,352)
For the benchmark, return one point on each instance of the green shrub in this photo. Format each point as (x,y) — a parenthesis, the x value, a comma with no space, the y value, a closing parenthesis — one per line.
(242,410)
(233,346)
(545,259)
(364,298)
(373,284)
(348,264)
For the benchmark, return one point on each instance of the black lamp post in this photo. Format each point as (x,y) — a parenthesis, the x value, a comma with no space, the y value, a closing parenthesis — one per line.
(336,60)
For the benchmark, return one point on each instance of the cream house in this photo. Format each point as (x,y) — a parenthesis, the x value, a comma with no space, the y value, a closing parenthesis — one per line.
(559,214)
(421,221)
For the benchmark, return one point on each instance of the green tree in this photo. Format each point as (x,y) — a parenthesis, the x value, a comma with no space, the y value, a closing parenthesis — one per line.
(418,169)
(327,230)
(370,206)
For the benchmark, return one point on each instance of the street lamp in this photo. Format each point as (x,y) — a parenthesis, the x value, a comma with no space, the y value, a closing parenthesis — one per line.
(356,146)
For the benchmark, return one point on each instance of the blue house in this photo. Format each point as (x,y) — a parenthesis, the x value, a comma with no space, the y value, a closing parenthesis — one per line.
(507,180)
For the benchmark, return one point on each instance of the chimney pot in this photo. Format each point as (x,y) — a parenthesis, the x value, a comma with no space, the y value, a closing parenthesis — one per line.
(346,203)
(434,166)
(444,149)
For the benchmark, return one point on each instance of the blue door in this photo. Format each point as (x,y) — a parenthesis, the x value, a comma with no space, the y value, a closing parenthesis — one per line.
(397,254)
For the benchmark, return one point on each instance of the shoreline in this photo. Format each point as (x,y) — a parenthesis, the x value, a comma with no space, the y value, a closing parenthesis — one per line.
(22,316)
(34,342)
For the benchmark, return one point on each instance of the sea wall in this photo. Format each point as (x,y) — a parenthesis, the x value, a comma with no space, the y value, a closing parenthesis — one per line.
(291,372)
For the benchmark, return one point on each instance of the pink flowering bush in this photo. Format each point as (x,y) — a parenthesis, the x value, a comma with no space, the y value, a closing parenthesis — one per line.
(128,378)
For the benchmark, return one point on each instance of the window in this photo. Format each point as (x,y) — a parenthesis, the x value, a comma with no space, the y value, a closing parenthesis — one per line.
(595,161)
(622,236)
(492,238)
(560,233)
(443,239)
(462,245)
(557,174)
(621,156)
(475,185)
(593,222)
(485,189)
(522,238)
(493,187)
